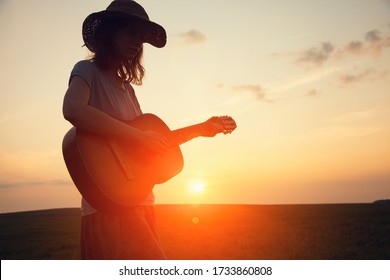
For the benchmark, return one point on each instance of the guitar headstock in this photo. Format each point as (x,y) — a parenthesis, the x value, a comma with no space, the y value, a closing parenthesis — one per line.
(226,123)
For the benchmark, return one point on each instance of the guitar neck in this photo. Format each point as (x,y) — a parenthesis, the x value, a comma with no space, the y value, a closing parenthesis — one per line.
(185,134)
(209,128)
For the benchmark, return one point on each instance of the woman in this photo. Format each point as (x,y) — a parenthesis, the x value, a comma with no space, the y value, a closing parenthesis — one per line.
(99,98)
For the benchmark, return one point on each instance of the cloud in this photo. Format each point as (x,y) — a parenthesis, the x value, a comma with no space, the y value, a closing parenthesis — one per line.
(312,93)
(317,55)
(373,44)
(354,47)
(304,80)
(347,79)
(373,36)
(367,75)
(35,183)
(193,37)
(258,92)
(255,90)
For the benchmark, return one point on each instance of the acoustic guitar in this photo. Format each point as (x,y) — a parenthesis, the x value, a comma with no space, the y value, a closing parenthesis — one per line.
(112,175)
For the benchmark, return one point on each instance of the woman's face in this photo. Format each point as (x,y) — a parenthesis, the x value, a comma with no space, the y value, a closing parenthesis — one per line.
(128,41)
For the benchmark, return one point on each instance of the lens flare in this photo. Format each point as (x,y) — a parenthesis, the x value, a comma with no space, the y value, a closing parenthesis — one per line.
(195,220)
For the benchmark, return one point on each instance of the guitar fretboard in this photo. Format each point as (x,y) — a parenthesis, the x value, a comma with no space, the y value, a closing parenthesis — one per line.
(185,134)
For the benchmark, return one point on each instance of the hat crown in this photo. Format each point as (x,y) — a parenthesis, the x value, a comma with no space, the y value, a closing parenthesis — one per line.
(129,7)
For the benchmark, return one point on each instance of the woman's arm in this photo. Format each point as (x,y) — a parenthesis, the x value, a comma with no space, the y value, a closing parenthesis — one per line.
(209,128)
(77,111)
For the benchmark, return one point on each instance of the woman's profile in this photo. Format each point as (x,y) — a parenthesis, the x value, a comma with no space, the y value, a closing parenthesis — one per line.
(101,101)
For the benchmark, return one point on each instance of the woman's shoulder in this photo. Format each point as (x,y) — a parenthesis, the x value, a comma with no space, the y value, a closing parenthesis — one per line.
(85,65)
(85,69)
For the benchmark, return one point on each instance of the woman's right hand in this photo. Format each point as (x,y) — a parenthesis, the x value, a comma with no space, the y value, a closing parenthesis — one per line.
(152,142)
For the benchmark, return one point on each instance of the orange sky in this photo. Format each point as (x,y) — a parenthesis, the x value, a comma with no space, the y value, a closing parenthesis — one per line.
(307,82)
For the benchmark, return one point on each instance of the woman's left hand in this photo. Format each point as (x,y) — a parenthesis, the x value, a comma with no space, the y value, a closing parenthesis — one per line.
(216,125)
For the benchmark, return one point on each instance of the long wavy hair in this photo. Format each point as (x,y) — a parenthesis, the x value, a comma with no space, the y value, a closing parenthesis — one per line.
(131,71)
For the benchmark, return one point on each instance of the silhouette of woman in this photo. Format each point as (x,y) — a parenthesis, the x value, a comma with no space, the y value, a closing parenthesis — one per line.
(99,96)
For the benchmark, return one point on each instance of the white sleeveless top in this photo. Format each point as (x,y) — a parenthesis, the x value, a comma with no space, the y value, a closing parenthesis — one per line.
(108,97)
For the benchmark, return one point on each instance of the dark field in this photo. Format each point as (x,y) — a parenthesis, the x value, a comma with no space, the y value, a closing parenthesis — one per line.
(301,232)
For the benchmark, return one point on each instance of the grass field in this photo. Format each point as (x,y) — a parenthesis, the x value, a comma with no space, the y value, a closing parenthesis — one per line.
(302,232)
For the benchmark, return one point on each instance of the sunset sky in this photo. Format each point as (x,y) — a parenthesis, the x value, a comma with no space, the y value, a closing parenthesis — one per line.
(307,81)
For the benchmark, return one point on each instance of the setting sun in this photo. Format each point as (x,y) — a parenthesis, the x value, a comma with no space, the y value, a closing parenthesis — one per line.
(197,186)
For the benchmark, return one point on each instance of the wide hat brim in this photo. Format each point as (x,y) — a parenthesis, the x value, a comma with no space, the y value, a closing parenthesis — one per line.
(155,34)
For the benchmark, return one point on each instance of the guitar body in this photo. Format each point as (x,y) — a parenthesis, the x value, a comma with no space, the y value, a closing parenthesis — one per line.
(112,175)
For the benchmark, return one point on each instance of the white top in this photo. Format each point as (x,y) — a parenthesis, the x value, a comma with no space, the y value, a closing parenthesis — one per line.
(108,97)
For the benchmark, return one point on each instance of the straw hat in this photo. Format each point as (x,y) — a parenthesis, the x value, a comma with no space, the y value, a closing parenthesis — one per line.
(155,33)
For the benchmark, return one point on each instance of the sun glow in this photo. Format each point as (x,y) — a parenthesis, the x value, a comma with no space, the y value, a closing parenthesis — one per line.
(197,186)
